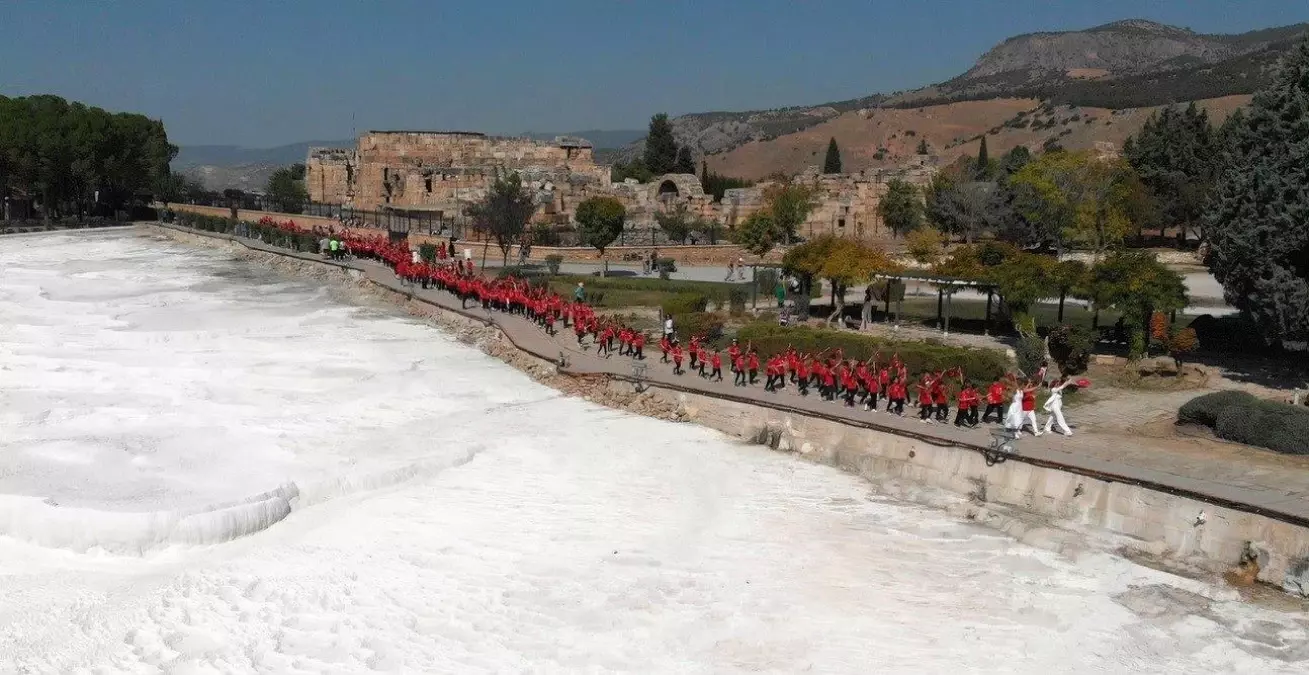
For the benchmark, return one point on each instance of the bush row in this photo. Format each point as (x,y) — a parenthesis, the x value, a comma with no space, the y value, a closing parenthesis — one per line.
(1242,418)
(296,240)
(980,365)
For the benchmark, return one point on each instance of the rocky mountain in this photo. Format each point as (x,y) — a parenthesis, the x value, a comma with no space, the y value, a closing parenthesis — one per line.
(1122,65)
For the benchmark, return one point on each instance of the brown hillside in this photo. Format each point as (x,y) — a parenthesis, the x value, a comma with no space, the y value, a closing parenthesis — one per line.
(951,130)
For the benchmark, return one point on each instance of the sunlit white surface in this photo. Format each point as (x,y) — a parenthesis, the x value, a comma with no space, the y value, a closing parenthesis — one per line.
(411,505)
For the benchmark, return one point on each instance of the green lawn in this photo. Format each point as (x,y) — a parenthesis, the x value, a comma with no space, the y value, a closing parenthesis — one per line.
(638,291)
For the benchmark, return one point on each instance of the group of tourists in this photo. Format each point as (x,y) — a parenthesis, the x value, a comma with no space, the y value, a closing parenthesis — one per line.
(875,385)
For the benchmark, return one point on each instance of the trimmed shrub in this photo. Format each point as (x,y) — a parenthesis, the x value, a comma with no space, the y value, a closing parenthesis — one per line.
(665,266)
(684,303)
(1204,409)
(736,301)
(552,262)
(1030,352)
(705,324)
(1276,426)
(1070,346)
(978,364)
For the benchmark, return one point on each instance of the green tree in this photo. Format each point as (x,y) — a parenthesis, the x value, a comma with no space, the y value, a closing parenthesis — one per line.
(1258,223)
(1176,156)
(843,262)
(503,213)
(287,192)
(72,158)
(1137,285)
(660,146)
(676,223)
(901,208)
(964,208)
(717,184)
(789,204)
(757,234)
(634,169)
(925,244)
(832,162)
(685,161)
(599,222)
(982,167)
(1014,160)
(1080,198)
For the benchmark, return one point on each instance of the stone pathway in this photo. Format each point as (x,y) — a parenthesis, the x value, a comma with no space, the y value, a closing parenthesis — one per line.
(1108,443)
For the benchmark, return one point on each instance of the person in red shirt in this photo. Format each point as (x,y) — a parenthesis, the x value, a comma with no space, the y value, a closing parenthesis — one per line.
(850,383)
(665,346)
(733,352)
(802,375)
(638,345)
(925,401)
(1029,406)
(694,351)
(716,360)
(738,367)
(968,399)
(550,323)
(579,327)
(827,386)
(994,402)
(896,395)
(606,336)
(872,387)
(677,359)
(624,341)
(752,364)
(941,398)
(770,372)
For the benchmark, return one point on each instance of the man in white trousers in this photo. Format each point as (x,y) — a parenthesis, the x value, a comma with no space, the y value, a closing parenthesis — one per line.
(1055,406)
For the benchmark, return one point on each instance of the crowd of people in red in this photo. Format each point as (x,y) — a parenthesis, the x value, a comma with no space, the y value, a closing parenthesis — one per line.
(872,384)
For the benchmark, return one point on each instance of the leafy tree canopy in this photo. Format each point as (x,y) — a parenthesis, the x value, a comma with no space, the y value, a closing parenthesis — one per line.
(503,213)
(286,191)
(600,221)
(758,234)
(841,261)
(901,208)
(62,154)
(789,204)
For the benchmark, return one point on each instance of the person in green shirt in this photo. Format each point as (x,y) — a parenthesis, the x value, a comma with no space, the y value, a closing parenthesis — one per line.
(779,291)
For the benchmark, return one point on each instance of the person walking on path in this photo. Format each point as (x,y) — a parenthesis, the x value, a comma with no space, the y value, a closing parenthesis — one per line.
(1055,406)
(579,293)
(731,271)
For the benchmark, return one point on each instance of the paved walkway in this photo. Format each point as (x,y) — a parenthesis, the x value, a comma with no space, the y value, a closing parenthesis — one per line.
(1241,477)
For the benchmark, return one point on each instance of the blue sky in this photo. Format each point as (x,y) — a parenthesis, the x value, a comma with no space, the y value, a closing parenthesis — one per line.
(268,73)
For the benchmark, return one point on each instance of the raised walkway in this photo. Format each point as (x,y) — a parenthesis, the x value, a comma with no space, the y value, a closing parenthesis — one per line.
(1249,480)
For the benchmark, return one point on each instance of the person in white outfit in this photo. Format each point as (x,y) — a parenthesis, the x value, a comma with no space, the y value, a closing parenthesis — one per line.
(1055,406)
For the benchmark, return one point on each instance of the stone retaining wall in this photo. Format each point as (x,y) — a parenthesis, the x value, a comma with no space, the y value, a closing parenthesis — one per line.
(1053,507)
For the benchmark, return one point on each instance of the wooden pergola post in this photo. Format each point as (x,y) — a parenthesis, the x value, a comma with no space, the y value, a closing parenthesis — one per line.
(940,300)
(949,297)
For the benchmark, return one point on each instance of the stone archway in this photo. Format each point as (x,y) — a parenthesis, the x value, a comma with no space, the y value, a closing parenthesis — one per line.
(668,190)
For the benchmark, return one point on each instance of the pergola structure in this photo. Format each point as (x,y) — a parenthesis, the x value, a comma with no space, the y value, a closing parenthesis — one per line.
(945,288)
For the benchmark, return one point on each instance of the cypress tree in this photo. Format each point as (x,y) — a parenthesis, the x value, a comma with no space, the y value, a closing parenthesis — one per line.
(1258,221)
(685,162)
(1176,156)
(660,147)
(832,163)
(983,166)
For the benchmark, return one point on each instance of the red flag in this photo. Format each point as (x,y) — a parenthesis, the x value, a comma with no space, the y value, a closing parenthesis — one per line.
(1083,383)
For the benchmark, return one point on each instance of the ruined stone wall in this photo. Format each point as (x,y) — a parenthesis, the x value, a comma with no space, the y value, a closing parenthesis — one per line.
(440,172)
(329,175)
(846,203)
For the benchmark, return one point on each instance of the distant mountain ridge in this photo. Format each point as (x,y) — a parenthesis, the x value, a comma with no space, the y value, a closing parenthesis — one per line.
(1132,63)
